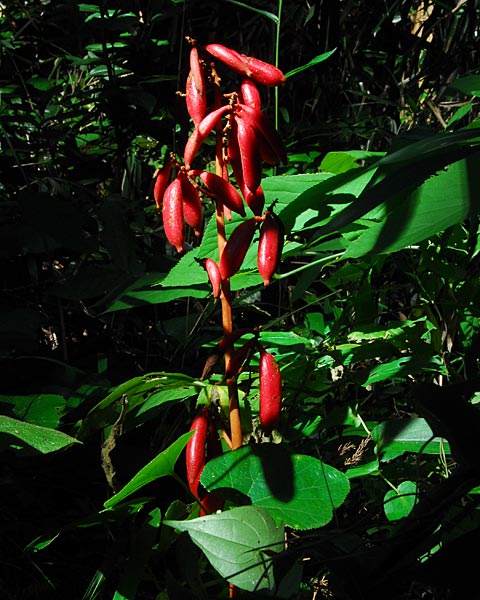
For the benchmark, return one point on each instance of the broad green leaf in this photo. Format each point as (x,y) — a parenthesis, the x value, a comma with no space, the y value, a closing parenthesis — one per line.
(397,436)
(315,61)
(38,409)
(134,298)
(314,200)
(136,391)
(405,366)
(283,338)
(469,84)
(399,504)
(298,490)
(238,543)
(161,466)
(42,439)
(445,199)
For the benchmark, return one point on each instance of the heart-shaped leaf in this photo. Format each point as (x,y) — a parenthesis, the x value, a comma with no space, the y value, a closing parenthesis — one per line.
(298,490)
(399,504)
(238,543)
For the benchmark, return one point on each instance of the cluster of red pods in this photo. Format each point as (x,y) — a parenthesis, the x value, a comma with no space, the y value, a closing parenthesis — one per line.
(248,140)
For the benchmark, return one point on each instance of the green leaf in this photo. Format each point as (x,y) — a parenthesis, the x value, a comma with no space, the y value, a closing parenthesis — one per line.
(397,436)
(42,439)
(469,84)
(403,367)
(445,199)
(236,543)
(296,489)
(38,409)
(399,504)
(315,61)
(137,391)
(161,466)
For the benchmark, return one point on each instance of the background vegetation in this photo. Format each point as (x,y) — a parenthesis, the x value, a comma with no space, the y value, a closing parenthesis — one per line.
(374,317)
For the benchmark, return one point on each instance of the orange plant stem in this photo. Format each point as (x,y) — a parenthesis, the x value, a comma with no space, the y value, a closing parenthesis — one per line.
(225,296)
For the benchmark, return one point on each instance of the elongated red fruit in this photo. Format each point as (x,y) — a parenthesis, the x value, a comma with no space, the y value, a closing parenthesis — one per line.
(249,154)
(255,201)
(195,451)
(269,247)
(161,183)
(270,392)
(229,57)
(258,70)
(213,272)
(266,132)
(236,248)
(192,205)
(224,191)
(196,90)
(263,72)
(233,156)
(172,214)
(201,132)
(250,94)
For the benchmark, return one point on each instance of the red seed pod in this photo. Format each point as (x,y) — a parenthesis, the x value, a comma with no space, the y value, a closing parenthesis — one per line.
(270,140)
(224,191)
(236,248)
(258,70)
(255,201)
(201,132)
(172,214)
(270,247)
(249,154)
(195,452)
(192,205)
(229,57)
(161,183)
(270,392)
(213,272)
(263,72)
(196,91)
(233,157)
(250,94)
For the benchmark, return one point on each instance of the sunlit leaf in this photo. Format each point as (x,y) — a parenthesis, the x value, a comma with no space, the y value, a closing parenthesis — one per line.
(16,433)
(238,543)
(315,61)
(397,436)
(398,504)
(295,489)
